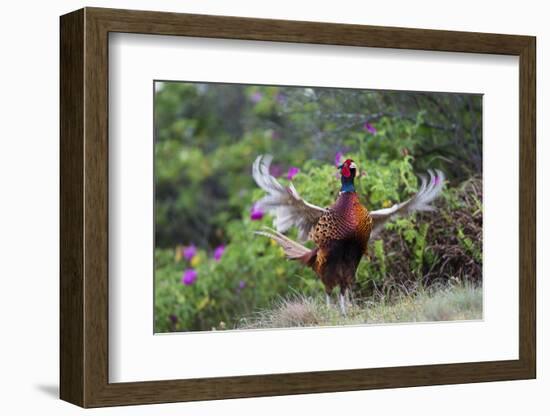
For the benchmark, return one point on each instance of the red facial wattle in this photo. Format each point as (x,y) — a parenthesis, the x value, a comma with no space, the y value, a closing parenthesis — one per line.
(346,171)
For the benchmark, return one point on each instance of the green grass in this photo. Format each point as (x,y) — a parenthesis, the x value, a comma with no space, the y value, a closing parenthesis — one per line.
(453,303)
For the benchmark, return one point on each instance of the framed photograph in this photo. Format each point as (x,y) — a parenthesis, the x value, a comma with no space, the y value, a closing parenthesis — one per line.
(254,207)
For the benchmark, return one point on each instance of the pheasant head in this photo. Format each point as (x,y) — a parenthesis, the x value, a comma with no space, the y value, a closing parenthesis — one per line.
(348,170)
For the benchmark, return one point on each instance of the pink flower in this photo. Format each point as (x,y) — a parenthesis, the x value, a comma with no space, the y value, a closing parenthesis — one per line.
(292,172)
(437,179)
(338,158)
(256,213)
(256,97)
(218,252)
(189,277)
(189,252)
(369,127)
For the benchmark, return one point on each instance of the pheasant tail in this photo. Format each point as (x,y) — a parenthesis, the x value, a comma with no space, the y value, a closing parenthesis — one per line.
(292,249)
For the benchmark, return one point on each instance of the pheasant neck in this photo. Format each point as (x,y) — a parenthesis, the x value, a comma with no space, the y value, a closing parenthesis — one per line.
(347,185)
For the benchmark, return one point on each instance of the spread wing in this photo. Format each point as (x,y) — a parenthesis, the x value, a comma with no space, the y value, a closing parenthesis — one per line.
(284,202)
(429,190)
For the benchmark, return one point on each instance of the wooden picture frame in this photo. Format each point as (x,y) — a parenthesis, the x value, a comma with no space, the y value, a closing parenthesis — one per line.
(84,207)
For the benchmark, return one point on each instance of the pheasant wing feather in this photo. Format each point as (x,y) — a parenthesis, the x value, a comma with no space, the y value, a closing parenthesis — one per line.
(284,202)
(429,190)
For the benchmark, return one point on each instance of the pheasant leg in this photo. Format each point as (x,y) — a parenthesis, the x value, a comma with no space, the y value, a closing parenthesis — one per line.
(342,303)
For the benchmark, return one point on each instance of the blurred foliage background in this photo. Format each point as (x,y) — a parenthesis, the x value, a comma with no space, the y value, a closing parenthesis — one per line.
(211,271)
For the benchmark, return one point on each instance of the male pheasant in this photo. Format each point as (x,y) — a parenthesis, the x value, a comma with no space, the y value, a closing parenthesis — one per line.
(340,232)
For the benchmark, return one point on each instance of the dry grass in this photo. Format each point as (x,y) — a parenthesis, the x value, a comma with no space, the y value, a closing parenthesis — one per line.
(453,303)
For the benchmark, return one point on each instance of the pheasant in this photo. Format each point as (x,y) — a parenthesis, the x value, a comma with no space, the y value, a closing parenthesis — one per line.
(340,232)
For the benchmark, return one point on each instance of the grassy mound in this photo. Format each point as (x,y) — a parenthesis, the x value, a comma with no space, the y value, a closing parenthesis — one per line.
(453,303)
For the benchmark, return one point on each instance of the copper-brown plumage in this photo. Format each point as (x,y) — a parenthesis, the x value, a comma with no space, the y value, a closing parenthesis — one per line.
(340,232)
(341,236)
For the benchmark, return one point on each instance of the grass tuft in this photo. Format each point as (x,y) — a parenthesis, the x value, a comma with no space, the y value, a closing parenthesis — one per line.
(452,303)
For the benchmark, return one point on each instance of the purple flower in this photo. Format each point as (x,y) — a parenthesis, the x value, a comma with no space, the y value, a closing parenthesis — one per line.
(437,179)
(173,318)
(189,252)
(280,98)
(276,170)
(218,252)
(256,213)
(275,135)
(189,277)
(256,97)
(369,127)
(240,286)
(292,172)
(338,158)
